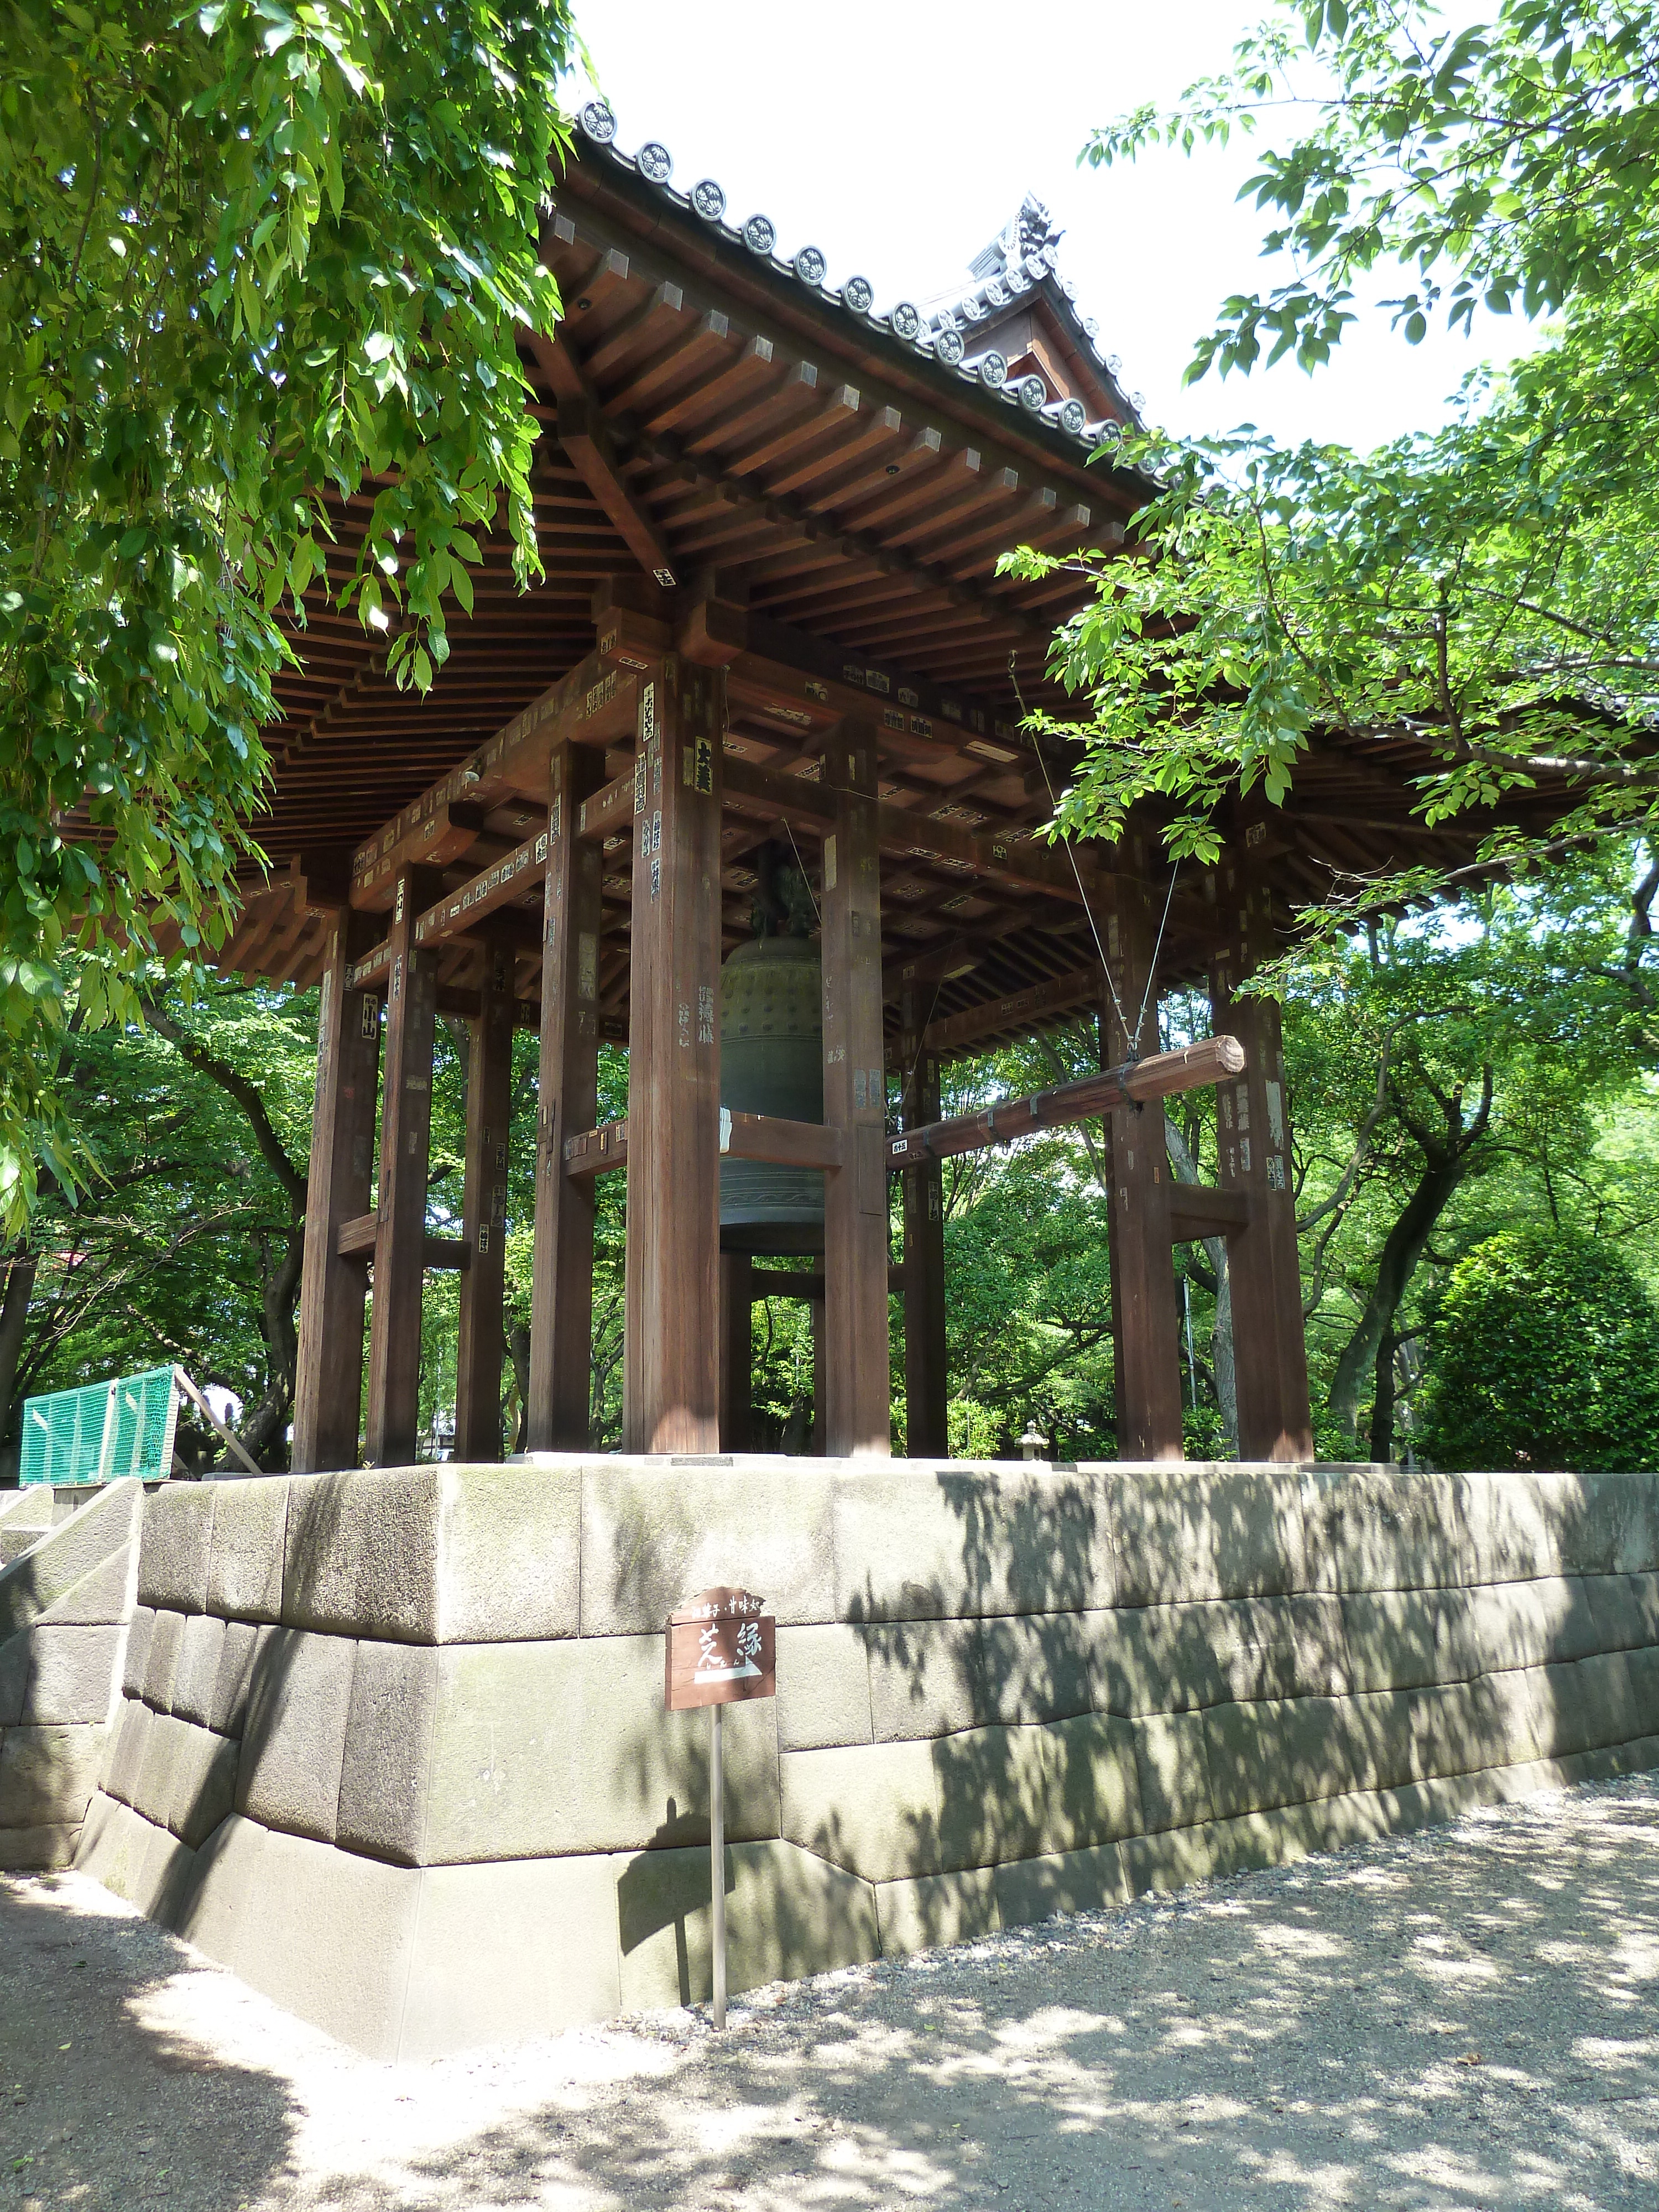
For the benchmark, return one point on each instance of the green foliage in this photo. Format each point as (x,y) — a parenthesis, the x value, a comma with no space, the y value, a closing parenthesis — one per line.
(1546,1354)
(253,258)
(1489,587)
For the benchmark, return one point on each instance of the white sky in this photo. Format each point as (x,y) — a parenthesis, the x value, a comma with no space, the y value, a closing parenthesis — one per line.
(900,136)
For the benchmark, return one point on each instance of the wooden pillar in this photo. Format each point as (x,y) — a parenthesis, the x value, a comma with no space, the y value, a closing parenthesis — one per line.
(328,1385)
(856,1413)
(737,1348)
(394,1333)
(1145,1316)
(927,1380)
(484,1208)
(670,1359)
(1270,1357)
(562,1285)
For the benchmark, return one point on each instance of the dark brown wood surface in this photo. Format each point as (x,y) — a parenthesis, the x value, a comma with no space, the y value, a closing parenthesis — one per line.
(727,1635)
(480,1346)
(854,1411)
(394,1334)
(328,1380)
(1145,1316)
(737,1348)
(1253,1139)
(671,1388)
(562,1286)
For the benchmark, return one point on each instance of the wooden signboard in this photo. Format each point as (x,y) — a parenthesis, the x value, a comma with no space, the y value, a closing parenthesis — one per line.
(722,1646)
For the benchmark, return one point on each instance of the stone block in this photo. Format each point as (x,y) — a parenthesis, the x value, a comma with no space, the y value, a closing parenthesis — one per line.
(1039,1667)
(1380,1730)
(513,1951)
(1276,1836)
(1284,1647)
(1183,1533)
(103,1597)
(1175,1859)
(654,1535)
(235,1680)
(1626,1611)
(152,1793)
(248,1554)
(137,1658)
(1609,1523)
(1457,1728)
(875,1809)
(823,1688)
(939,1544)
(926,1677)
(1512,1697)
(1514,1535)
(387,1762)
(324,1933)
(1245,1757)
(129,1738)
(363,1553)
(16,1654)
(47,1775)
(1157,1659)
(920,1914)
(74,1674)
(541,1749)
(509,1549)
(1091,1787)
(787,1914)
(294,1742)
(1607,1695)
(1406,1639)
(174,1546)
(166,1641)
(114,1842)
(1644,1668)
(1530,1624)
(204,1769)
(195,1679)
(31,1585)
(1389,1530)
(1336,1823)
(1172,1770)
(38,1851)
(1061,1882)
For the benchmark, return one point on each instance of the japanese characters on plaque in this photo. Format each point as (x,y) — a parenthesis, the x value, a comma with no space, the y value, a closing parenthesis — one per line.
(721,1647)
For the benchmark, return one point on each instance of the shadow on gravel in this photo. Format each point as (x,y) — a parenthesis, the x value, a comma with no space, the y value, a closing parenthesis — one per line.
(101,2113)
(1462,2018)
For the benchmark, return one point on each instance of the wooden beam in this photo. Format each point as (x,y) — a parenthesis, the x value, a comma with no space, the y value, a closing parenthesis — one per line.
(504,883)
(581,429)
(1019,1009)
(562,1285)
(1138,1083)
(740,1137)
(609,811)
(671,1388)
(481,1344)
(328,1377)
(394,1335)
(854,1416)
(356,1238)
(1196,1212)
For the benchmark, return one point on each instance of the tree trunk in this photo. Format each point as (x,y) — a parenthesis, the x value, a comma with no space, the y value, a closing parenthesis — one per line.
(1383,1402)
(263,1433)
(14,1314)
(1448,1155)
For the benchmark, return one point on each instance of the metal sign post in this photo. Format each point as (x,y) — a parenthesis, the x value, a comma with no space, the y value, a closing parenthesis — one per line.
(721,1647)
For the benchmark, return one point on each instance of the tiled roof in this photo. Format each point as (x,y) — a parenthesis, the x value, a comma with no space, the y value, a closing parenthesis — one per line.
(937,332)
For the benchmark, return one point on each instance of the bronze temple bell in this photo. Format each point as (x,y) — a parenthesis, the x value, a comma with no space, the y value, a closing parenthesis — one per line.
(772,1062)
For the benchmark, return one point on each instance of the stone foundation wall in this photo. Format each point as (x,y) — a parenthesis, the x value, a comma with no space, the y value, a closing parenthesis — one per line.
(392,1746)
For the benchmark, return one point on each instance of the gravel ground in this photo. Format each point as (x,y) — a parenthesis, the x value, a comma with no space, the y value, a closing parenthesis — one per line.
(1463,2018)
